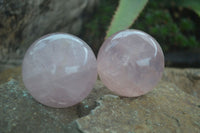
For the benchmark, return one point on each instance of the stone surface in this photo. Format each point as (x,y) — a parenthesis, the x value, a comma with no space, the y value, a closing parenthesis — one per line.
(11,73)
(130,63)
(22,22)
(20,113)
(186,79)
(165,109)
(59,70)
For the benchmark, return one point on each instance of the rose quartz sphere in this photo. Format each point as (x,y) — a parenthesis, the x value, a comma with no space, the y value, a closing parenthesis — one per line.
(59,70)
(130,63)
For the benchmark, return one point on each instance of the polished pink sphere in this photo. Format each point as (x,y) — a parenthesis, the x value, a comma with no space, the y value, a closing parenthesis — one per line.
(59,70)
(130,63)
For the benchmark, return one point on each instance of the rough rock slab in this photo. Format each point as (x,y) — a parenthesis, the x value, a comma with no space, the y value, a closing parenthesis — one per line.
(186,79)
(167,109)
(20,113)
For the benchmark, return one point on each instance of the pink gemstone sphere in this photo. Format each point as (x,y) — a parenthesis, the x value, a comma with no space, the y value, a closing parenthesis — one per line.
(130,63)
(59,70)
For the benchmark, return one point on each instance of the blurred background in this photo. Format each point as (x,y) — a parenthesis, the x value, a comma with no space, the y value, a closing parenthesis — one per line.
(174,26)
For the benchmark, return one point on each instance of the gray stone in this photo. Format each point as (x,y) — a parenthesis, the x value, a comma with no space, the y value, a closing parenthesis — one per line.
(20,113)
(22,22)
(166,109)
(186,79)
(170,107)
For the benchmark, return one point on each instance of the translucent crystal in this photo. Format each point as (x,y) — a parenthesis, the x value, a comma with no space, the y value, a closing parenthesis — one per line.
(130,63)
(59,70)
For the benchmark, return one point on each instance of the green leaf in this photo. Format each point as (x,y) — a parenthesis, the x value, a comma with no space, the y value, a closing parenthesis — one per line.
(191,4)
(125,15)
